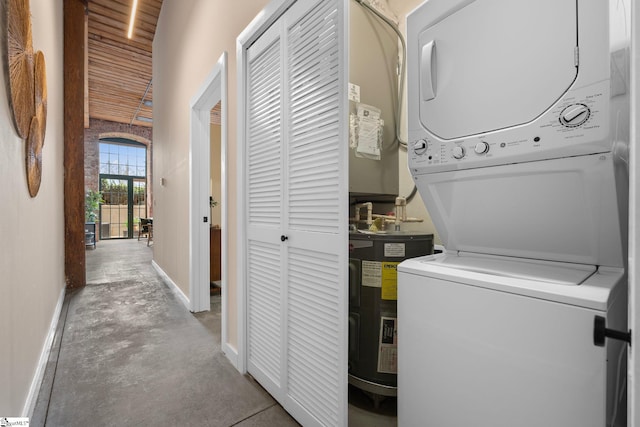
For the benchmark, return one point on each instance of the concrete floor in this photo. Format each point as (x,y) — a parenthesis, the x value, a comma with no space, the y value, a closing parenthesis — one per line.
(127,352)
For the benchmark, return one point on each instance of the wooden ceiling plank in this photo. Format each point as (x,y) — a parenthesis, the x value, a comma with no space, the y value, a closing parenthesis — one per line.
(146,17)
(133,65)
(120,69)
(117,119)
(100,42)
(98,78)
(119,30)
(116,55)
(143,29)
(123,9)
(110,90)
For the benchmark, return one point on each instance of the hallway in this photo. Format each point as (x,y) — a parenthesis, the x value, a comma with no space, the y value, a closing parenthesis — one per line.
(126,351)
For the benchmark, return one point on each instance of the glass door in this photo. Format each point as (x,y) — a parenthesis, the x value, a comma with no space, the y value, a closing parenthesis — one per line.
(138,204)
(124,204)
(114,215)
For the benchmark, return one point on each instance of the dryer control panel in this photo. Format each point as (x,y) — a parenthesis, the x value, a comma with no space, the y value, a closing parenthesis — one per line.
(576,125)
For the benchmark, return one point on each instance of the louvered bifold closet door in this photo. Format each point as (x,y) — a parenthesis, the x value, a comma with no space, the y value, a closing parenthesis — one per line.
(316,211)
(264,175)
(297,200)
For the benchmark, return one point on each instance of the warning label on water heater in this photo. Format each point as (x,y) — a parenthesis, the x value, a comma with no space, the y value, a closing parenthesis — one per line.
(394,250)
(372,274)
(388,346)
(389,281)
(376,274)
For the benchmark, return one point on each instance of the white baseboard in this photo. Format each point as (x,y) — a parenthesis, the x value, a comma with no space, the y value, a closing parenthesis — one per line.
(171,285)
(36,382)
(231,354)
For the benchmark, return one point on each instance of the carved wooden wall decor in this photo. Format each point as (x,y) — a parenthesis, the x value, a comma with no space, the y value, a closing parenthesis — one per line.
(25,74)
(34,156)
(20,64)
(41,91)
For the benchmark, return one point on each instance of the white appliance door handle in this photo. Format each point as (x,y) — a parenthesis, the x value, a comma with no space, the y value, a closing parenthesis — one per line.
(428,71)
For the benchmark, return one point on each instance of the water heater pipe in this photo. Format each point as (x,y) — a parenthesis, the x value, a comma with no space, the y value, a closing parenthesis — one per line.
(401,212)
(369,207)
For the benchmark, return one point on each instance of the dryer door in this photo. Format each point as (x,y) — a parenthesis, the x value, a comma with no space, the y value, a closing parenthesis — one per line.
(494,64)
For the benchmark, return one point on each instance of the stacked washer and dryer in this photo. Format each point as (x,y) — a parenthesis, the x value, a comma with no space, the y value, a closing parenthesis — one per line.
(518,127)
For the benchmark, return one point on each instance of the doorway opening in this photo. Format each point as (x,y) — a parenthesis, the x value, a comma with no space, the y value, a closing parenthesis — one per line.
(209,105)
(215,190)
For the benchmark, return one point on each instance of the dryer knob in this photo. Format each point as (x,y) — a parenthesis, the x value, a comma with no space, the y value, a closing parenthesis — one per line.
(420,146)
(458,151)
(482,147)
(574,115)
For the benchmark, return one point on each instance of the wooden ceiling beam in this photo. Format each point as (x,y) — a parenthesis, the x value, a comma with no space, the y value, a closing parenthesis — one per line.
(86,71)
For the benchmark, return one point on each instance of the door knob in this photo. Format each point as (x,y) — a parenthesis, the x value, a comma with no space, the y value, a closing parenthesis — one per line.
(283,238)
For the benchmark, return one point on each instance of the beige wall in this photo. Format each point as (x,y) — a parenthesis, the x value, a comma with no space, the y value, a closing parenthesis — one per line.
(31,230)
(216,183)
(190,37)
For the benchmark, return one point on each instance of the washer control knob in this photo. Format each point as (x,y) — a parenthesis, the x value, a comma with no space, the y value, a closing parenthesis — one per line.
(420,147)
(574,115)
(482,147)
(458,152)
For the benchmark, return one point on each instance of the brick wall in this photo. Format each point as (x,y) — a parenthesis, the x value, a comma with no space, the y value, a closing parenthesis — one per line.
(91,154)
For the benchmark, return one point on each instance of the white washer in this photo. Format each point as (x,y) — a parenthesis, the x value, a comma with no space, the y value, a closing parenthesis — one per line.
(491,341)
(518,129)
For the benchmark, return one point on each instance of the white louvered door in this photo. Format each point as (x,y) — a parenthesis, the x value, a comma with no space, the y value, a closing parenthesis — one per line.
(297,190)
(316,215)
(264,209)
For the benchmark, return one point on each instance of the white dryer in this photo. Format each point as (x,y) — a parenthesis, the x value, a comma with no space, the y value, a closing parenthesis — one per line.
(518,128)
(518,120)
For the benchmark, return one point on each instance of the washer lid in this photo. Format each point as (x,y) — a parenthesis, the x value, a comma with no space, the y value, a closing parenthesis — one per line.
(494,64)
(534,270)
(575,284)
